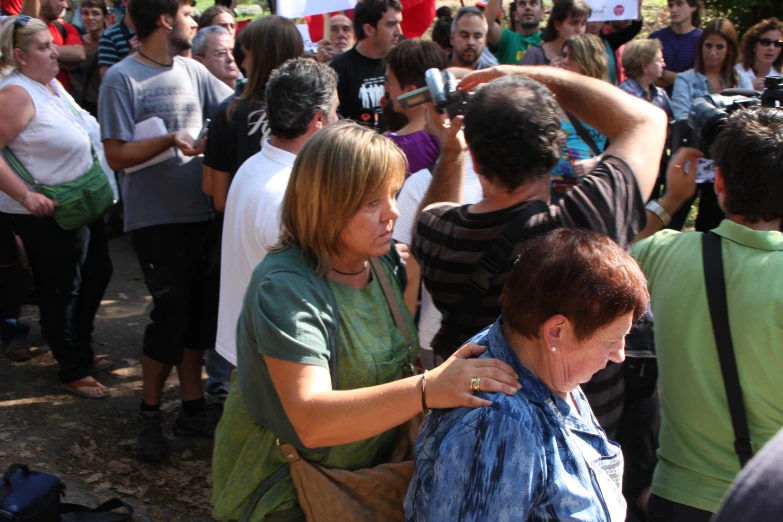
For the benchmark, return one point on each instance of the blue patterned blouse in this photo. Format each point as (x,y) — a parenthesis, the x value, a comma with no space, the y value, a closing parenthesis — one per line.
(526,457)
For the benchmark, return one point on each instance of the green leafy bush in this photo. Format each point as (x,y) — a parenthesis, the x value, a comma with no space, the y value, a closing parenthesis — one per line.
(745,13)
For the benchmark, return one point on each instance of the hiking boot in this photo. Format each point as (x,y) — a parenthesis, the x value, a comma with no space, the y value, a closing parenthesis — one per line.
(150,445)
(200,425)
(18,350)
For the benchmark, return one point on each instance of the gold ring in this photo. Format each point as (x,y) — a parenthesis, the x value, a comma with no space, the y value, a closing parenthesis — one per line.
(475,384)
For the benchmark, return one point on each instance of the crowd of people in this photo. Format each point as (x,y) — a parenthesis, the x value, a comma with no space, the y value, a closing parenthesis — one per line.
(516,272)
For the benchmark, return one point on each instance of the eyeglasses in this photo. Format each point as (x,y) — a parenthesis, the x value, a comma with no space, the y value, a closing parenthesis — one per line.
(222,54)
(766,42)
(19,21)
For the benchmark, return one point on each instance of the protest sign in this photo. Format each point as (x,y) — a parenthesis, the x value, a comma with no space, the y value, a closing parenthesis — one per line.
(610,10)
(301,8)
(309,45)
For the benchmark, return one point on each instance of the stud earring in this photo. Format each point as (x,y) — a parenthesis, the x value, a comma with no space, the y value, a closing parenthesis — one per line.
(554,348)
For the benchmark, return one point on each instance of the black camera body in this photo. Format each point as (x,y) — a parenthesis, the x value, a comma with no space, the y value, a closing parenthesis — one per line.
(442,90)
(708,113)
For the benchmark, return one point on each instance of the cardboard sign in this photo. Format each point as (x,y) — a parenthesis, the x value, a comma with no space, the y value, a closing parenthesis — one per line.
(309,45)
(301,8)
(611,10)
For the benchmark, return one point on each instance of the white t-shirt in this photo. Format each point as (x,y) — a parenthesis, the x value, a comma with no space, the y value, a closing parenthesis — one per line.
(750,75)
(251,226)
(411,196)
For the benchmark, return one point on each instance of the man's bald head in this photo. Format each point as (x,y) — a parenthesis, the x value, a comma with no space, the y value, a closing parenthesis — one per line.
(341,33)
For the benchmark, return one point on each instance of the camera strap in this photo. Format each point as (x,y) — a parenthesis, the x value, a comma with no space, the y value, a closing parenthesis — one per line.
(583,133)
(712,259)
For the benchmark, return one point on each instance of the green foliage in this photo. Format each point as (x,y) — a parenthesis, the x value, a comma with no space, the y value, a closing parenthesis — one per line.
(745,13)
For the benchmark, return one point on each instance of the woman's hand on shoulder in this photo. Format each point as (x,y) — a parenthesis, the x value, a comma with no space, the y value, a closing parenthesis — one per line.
(449,385)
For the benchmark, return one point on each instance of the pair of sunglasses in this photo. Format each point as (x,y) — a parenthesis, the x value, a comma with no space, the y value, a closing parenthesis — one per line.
(766,42)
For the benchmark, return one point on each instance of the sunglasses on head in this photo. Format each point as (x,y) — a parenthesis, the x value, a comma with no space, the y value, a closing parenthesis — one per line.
(20,21)
(766,42)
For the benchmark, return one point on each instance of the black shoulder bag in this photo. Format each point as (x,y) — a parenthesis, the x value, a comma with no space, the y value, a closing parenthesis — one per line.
(712,259)
(584,134)
(466,317)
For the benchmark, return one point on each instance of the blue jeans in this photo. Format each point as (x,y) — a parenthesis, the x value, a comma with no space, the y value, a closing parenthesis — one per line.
(218,370)
(11,329)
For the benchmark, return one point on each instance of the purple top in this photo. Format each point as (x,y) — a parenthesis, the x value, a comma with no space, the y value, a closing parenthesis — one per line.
(421,148)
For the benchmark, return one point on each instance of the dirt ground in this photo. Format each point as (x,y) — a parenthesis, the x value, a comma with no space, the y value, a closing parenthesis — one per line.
(91,443)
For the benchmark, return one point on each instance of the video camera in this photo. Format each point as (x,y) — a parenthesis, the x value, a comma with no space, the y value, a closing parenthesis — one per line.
(442,90)
(708,113)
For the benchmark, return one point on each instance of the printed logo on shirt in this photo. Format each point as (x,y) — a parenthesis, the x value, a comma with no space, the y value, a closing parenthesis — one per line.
(256,121)
(371,92)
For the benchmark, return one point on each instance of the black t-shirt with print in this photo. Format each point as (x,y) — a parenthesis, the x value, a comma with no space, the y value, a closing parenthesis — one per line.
(224,151)
(360,88)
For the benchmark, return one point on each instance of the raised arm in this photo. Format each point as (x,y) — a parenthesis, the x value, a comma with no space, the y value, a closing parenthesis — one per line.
(448,175)
(495,31)
(680,187)
(635,128)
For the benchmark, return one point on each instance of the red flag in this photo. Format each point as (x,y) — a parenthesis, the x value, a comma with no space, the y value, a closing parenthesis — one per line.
(417,16)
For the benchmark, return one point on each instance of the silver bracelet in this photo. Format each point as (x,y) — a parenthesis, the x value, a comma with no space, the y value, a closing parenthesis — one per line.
(656,208)
(24,198)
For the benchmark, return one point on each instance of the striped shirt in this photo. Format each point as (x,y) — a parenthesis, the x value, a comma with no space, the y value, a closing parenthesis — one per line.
(114,44)
(450,240)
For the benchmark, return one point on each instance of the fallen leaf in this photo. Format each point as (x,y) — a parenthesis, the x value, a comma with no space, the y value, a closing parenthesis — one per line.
(95,477)
(123,296)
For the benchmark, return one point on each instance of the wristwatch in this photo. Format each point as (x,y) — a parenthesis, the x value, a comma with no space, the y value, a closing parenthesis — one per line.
(656,208)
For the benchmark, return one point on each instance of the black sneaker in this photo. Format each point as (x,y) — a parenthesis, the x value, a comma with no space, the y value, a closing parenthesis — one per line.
(201,425)
(150,445)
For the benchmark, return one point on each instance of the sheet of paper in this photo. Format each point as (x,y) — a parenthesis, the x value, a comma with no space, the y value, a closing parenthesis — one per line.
(148,129)
(299,8)
(309,45)
(610,10)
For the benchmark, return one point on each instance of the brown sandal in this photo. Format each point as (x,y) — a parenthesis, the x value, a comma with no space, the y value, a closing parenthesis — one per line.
(74,386)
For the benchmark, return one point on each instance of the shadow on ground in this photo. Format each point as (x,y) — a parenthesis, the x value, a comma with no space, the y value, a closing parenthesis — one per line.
(90,444)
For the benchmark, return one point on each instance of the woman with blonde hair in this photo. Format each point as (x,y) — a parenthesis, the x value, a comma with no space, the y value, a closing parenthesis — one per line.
(582,145)
(322,362)
(762,52)
(43,130)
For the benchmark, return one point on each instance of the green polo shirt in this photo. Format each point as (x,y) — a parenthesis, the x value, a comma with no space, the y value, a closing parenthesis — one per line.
(697,463)
(512,46)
